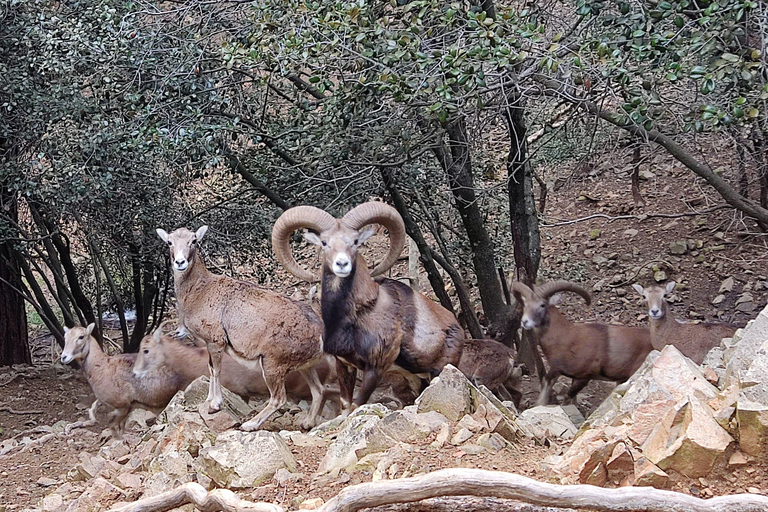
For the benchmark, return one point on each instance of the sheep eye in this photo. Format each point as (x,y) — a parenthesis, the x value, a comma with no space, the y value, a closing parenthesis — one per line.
(170,243)
(146,351)
(356,240)
(80,337)
(194,242)
(324,243)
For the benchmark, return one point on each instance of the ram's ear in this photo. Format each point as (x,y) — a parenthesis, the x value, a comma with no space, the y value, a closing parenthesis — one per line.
(89,329)
(639,289)
(163,234)
(555,299)
(365,234)
(670,286)
(200,233)
(313,238)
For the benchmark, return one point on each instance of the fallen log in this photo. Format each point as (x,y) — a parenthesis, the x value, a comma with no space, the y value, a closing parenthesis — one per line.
(217,499)
(479,482)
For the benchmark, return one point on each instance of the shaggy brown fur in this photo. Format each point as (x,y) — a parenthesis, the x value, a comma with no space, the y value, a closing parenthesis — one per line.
(254,325)
(581,351)
(492,364)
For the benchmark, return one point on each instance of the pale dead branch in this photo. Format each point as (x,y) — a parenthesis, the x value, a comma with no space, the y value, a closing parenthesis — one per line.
(217,499)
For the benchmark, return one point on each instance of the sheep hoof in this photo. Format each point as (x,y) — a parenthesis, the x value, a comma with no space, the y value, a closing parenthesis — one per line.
(213,408)
(307,424)
(250,426)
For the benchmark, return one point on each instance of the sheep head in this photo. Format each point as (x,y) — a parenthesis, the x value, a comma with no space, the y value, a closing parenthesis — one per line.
(76,343)
(182,244)
(150,353)
(655,298)
(536,301)
(338,238)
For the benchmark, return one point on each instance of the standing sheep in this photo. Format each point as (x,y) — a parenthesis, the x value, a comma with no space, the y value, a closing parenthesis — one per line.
(112,380)
(254,325)
(368,324)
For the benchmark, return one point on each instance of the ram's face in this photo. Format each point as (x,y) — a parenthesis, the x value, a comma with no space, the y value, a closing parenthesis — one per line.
(534,312)
(182,244)
(655,297)
(340,246)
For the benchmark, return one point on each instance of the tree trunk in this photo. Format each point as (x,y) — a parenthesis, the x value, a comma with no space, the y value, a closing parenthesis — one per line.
(438,286)
(524,224)
(458,167)
(14,343)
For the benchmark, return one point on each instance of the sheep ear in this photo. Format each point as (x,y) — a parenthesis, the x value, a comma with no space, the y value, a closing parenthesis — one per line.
(670,286)
(365,235)
(200,233)
(89,329)
(66,329)
(518,296)
(163,234)
(639,289)
(555,299)
(312,238)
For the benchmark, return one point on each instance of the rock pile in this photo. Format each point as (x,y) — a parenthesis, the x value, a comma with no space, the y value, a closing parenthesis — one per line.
(668,416)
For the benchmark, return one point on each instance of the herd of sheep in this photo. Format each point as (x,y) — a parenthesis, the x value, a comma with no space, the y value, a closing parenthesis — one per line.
(256,342)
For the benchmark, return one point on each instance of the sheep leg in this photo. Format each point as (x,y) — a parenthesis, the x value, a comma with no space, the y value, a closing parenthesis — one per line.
(318,397)
(347,376)
(576,386)
(546,387)
(117,422)
(215,398)
(275,379)
(368,386)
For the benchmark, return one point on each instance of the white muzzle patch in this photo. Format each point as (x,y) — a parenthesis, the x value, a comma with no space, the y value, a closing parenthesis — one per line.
(342,265)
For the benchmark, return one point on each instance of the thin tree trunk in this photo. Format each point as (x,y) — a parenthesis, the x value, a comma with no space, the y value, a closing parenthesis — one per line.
(412,228)
(42,306)
(524,225)
(14,342)
(636,196)
(458,167)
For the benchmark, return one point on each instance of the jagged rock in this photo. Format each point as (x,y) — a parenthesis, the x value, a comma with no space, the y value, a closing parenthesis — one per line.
(89,466)
(128,481)
(753,382)
(648,474)
(52,503)
(245,459)
(547,421)
(738,459)
(492,441)
(303,440)
(745,344)
(311,504)
(752,419)
(96,496)
(471,424)
(353,436)
(168,470)
(688,440)
(573,414)
(448,394)
(461,436)
(621,465)
(442,436)
(494,416)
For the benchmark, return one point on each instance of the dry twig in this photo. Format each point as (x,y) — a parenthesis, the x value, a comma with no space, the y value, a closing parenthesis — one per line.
(217,499)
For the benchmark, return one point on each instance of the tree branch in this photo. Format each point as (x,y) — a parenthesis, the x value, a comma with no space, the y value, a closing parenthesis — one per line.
(217,499)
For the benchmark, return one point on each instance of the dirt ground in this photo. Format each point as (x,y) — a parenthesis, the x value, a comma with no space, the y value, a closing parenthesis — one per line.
(720,245)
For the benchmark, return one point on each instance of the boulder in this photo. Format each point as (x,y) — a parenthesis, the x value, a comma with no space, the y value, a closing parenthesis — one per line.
(753,382)
(547,421)
(745,344)
(448,394)
(97,496)
(353,437)
(239,460)
(688,440)
(752,419)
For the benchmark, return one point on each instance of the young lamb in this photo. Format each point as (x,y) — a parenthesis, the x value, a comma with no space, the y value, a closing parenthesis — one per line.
(368,325)
(581,351)
(112,380)
(190,362)
(256,326)
(692,340)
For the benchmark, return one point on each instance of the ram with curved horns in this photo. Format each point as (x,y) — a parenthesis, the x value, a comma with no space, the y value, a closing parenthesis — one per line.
(581,351)
(368,324)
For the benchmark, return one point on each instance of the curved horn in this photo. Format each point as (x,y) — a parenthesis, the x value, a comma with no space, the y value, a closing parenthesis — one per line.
(521,288)
(547,290)
(292,219)
(374,212)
